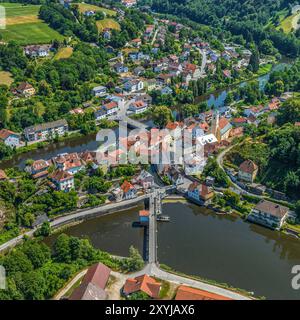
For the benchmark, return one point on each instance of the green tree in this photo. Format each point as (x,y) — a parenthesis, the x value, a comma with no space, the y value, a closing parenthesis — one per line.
(37,253)
(134,262)
(161,116)
(254,61)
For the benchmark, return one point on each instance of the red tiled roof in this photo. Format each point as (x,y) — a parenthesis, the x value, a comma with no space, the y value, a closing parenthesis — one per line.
(40,164)
(111,105)
(248,166)
(236,131)
(187,293)
(203,189)
(173,125)
(142,283)
(126,186)
(239,120)
(61,175)
(223,123)
(24,86)
(4,134)
(144,213)
(40,174)
(97,275)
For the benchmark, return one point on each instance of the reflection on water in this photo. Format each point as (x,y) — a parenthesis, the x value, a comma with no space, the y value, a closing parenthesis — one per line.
(78,144)
(200,242)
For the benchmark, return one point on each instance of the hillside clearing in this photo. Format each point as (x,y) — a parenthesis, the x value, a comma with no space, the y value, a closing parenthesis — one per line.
(6,78)
(83,7)
(290,23)
(108,23)
(63,53)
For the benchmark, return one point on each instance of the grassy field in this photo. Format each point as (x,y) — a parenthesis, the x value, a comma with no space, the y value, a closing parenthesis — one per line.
(6,78)
(24,26)
(108,23)
(89,7)
(63,53)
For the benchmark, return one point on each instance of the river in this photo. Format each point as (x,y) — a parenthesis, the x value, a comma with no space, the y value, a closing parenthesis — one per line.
(199,242)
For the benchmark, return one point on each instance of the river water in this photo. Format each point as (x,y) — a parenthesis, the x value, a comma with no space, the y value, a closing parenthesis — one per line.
(199,242)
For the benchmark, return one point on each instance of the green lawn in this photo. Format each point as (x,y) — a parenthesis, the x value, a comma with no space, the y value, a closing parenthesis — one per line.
(18,9)
(24,26)
(30,33)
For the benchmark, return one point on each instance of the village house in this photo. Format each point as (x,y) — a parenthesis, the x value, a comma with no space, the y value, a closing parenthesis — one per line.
(136,56)
(99,91)
(88,157)
(119,98)
(200,193)
(136,42)
(25,89)
(138,70)
(63,181)
(138,107)
(76,111)
(89,13)
(238,122)
(106,33)
(69,162)
(37,51)
(255,111)
(269,214)
(117,194)
(92,286)
(129,191)
(47,130)
(144,97)
(175,128)
(9,138)
(39,168)
(144,179)
(248,171)
(175,176)
(142,283)
(194,163)
(128,3)
(120,67)
(164,79)
(150,84)
(166,90)
(134,85)
(110,108)
(100,114)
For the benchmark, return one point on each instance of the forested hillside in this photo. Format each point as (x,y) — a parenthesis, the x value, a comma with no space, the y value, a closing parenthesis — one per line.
(248,18)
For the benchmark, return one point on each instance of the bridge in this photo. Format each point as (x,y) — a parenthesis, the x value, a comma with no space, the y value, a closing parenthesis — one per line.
(131,122)
(155,208)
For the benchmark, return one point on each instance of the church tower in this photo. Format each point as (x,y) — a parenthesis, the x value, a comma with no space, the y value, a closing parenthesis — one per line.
(215,125)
